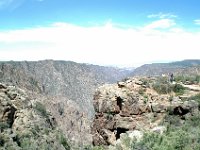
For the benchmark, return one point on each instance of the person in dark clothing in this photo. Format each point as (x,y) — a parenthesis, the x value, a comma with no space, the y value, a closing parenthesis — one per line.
(171,79)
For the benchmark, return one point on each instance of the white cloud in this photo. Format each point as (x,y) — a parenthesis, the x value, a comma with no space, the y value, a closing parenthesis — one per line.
(162,15)
(162,24)
(105,45)
(197,21)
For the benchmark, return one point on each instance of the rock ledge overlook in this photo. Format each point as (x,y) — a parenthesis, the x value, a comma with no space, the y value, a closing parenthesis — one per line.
(133,107)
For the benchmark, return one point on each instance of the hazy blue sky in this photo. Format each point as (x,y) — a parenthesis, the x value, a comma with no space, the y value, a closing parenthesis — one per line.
(105,32)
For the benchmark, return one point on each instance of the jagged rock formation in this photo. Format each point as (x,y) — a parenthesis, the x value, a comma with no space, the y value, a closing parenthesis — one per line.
(134,107)
(25,123)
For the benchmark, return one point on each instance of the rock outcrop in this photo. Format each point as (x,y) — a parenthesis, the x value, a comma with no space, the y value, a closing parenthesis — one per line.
(133,107)
(26,124)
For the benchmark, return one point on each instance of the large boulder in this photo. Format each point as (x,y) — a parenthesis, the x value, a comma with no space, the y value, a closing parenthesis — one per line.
(117,107)
(135,106)
(159,107)
(126,123)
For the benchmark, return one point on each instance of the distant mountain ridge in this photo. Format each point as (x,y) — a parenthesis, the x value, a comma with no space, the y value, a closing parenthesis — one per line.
(178,67)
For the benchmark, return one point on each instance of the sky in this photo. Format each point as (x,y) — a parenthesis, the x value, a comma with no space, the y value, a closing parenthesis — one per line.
(123,33)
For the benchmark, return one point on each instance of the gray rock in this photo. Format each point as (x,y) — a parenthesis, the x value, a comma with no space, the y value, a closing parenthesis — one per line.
(124,122)
(135,134)
(121,84)
(191,105)
(138,82)
(159,129)
(158,108)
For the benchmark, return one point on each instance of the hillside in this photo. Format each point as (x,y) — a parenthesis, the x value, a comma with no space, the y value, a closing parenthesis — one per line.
(180,67)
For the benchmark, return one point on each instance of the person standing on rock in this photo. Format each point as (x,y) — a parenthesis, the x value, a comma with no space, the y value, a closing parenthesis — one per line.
(171,78)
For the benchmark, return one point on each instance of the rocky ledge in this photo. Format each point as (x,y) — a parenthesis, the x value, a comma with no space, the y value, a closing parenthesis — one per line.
(133,107)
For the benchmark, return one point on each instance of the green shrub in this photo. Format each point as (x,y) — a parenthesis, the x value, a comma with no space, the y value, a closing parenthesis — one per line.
(197,78)
(178,140)
(98,148)
(146,82)
(2,141)
(25,143)
(195,97)
(185,78)
(166,88)
(179,136)
(162,88)
(145,99)
(149,141)
(41,109)
(141,91)
(178,89)
(194,121)
(3,125)
(63,141)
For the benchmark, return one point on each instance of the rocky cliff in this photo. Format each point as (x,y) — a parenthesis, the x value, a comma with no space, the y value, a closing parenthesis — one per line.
(66,90)
(75,81)
(26,124)
(134,107)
